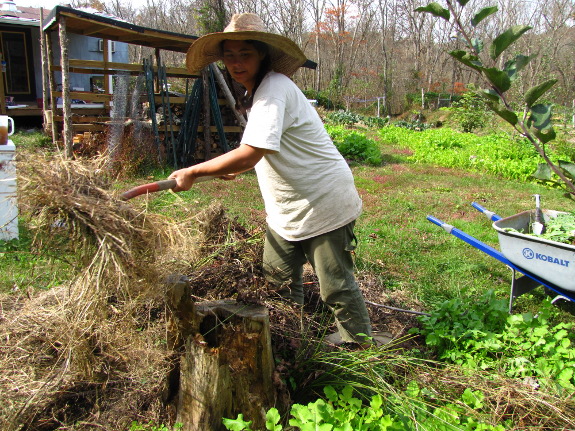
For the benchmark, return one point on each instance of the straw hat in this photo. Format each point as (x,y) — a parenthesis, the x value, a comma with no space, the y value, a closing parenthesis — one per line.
(286,57)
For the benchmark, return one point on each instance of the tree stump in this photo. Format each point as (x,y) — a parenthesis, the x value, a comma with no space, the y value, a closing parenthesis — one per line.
(227,366)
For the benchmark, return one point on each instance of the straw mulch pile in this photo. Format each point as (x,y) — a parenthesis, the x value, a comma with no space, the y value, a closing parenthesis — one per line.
(89,351)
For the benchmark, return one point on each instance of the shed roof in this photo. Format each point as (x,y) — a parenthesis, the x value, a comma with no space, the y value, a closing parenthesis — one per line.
(106,27)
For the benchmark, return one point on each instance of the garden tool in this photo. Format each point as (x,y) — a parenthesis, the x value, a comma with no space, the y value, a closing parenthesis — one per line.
(156,187)
(538,226)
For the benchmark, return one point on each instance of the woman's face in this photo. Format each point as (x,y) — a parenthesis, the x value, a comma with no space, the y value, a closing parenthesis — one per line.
(242,60)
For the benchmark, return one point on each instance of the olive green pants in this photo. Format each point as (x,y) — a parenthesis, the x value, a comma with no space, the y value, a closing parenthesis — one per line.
(330,256)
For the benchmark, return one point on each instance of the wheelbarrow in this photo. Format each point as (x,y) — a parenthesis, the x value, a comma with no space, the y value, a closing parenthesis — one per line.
(533,261)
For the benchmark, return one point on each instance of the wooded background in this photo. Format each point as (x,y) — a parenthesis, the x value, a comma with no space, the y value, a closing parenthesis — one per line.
(369,49)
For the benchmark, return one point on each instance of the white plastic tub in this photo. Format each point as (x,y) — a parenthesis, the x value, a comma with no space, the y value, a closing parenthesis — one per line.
(8,202)
(552,261)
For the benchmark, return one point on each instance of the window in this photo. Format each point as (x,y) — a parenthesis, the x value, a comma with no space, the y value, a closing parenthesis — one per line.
(101,45)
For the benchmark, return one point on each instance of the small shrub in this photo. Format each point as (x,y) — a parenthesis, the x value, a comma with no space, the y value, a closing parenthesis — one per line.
(322,99)
(375,122)
(471,112)
(354,145)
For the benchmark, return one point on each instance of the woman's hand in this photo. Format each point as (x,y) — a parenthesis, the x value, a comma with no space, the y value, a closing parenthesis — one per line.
(228,177)
(184,179)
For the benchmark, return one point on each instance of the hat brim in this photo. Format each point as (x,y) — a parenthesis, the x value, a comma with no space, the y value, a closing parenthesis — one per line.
(285,56)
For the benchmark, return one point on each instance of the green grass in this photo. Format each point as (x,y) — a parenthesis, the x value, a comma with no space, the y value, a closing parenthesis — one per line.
(23,267)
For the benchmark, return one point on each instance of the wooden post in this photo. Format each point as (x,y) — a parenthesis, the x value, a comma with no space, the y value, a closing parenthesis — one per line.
(45,79)
(207,116)
(52,87)
(158,64)
(107,78)
(66,102)
(227,366)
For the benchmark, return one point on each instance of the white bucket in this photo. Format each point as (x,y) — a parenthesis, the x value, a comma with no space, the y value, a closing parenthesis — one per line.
(8,199)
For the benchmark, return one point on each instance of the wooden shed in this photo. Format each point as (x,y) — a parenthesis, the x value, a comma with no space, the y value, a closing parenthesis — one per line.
(70,113)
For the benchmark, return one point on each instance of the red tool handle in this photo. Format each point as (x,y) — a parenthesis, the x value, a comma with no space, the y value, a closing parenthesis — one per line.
(156,187)
(148,188)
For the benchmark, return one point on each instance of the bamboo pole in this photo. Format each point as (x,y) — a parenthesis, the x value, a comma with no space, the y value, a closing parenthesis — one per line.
(228,95)
(66,102)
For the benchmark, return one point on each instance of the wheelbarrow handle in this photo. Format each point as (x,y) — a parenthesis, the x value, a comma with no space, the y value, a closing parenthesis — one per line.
(458,233)
(489,214)
(446,227)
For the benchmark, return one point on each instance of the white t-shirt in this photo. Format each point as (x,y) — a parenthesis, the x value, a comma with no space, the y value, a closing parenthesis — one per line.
(305,182)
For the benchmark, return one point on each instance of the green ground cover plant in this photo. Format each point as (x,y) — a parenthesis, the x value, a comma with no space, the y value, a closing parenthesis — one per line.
(342,411)
(497,153)
(482,335)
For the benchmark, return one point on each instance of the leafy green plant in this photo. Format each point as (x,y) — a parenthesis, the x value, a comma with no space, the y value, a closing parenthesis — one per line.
(342,117)
(375,122)
(342,411)
(470,112)
(482,335)
(535,122)
(412,125)
(558,229)
(451,416)
(354,145)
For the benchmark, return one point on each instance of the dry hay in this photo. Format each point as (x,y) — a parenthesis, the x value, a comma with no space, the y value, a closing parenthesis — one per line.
(93,350)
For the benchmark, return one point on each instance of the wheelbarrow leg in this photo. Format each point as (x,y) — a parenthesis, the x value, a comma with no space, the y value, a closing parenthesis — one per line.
(519,286)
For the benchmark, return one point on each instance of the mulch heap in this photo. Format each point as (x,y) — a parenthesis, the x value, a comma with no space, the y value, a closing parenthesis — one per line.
(92,353)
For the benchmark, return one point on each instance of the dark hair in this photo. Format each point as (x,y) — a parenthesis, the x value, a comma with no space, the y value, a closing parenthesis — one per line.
(244,101)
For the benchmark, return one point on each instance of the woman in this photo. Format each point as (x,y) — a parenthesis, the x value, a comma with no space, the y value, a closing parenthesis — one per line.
(308,189)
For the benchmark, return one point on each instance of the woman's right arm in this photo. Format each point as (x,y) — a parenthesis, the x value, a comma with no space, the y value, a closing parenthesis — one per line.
(241,159)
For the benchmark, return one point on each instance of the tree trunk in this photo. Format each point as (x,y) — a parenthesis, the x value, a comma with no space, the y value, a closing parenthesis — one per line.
(227,366)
